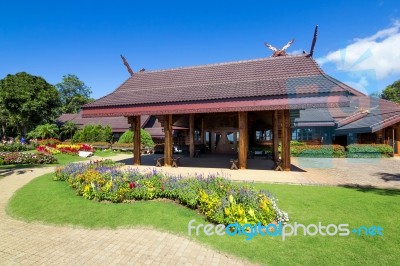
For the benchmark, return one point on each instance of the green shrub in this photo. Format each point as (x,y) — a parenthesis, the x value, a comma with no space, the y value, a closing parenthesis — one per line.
(16,146)
(319,151)
(296,143)
(369,150)
(93,133)
(145,138)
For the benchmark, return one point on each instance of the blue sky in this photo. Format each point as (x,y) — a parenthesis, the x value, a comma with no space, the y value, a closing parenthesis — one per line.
(85,38)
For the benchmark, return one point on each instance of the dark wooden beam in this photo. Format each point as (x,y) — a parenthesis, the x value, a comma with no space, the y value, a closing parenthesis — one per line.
(191,135)
(243,139)
(168,140)
(275,135)
(136,139)
(286,140)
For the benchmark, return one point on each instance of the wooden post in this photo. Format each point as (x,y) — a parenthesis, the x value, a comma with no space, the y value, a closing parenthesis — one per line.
(135,122)
(286,140)
(191,135)
(275,135)
(393,145)
(243,139)
(212,137)
(168,140)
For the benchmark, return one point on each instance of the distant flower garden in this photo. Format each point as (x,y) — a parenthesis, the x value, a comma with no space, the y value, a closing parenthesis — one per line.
(71,149)
(219,199)
(7,158)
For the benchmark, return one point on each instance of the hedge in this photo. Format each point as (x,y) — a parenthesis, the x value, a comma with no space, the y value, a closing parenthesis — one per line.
(15,147)
(369,150)
(319,151)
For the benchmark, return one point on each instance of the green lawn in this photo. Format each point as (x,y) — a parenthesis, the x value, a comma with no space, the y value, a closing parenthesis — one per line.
(54,202)
(106,153)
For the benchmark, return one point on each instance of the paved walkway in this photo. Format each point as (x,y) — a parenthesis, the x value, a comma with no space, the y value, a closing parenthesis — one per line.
(38,244)
(379,173)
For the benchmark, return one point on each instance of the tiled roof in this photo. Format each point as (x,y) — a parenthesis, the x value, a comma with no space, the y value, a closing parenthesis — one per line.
(276,76)
(372,114)
(118,124)
(365,114)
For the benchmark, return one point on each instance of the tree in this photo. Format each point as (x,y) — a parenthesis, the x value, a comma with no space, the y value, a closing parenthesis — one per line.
(93,133)
(68,129)
(74,94)
(392,92)
(27,101)
(44,131)
(145,138)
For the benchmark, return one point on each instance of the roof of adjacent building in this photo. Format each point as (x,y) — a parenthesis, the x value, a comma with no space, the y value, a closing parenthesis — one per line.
(264,79)
(118,124)
(364,115)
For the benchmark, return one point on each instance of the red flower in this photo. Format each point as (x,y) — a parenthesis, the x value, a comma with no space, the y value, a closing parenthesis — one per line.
(132,185)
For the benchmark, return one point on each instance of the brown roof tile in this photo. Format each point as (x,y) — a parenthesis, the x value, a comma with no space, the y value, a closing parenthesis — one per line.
(277,76)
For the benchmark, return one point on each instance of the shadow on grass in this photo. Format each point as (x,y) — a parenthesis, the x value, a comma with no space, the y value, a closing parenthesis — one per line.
(372,189)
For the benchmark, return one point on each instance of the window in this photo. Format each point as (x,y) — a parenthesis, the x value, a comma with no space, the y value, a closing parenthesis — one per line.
(302,134)
(263,135)
(197,136)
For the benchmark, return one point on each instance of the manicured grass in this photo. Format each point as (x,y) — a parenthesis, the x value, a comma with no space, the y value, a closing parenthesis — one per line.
(54,202)
(66,158)
(106,153)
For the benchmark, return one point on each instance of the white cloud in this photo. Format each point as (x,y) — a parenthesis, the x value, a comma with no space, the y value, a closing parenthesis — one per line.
(295,52)
(379,52)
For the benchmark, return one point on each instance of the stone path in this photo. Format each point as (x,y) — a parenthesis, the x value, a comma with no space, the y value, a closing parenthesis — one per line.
(38,244)
(379,173)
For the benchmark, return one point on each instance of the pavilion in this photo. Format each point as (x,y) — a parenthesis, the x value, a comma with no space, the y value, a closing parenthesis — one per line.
(225,101)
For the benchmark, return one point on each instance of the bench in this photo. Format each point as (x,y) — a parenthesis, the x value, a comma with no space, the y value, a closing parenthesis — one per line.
(278,165)
(159,161)
(175,161)
(234,164)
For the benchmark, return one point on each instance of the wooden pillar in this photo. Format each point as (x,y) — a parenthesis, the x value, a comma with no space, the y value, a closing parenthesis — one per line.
(243,139)
(212,137)
(235,140)
(191,135)
(275,135)
(168,140)
(135,123)
(286,140)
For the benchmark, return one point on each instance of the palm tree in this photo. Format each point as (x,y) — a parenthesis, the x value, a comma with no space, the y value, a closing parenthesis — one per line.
(69,128)
(47,131)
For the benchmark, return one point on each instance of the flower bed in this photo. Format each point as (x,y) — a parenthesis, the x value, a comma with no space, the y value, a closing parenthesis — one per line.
(369,150)
(219,199)
(72,149)
(319,151)
(26,158)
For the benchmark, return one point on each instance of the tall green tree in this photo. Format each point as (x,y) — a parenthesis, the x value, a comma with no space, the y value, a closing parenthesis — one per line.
(74,94)
(392,92)
(27,101)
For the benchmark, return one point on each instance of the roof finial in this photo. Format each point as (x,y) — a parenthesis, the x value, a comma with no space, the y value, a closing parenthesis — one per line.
(280,52)
(127,65)
(314,40)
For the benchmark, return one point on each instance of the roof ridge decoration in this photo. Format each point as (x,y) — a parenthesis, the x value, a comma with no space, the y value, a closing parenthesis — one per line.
(279,52)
